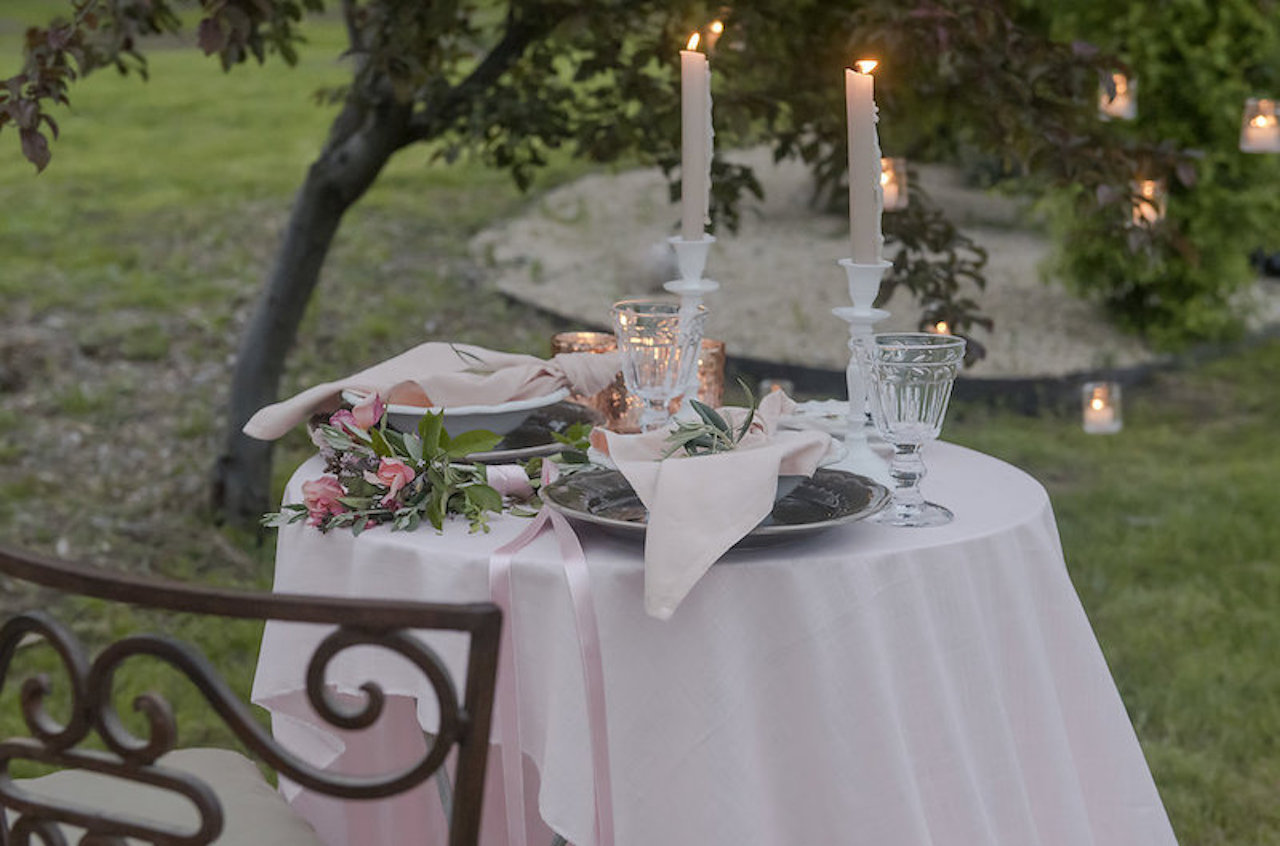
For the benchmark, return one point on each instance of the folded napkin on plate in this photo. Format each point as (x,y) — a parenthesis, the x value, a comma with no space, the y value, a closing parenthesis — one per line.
(451,375)
(700,506)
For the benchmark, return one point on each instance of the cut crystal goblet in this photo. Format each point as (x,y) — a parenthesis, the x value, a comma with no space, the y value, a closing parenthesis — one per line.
(911,375)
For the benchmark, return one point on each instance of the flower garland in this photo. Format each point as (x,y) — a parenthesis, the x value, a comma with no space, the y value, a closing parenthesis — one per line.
(376,475)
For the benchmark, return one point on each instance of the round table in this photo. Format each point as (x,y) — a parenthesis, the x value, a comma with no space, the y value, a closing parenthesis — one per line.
(867,684)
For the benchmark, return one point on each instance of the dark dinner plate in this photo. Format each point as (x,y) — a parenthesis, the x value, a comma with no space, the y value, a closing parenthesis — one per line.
(830,498)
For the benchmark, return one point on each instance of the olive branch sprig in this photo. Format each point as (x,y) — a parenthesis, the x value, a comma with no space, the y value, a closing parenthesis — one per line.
(710,433)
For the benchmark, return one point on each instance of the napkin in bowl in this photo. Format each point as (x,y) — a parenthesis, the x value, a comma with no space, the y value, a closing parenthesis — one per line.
(451,375)
(700,506)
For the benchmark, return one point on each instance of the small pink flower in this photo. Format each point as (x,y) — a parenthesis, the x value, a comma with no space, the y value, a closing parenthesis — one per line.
(392,474)
(321,498)
(343,419)
(368,411)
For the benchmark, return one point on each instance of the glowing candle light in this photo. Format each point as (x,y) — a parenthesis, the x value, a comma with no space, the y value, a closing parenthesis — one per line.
(1101,408)
(893,183)
(1149,203)
(1124,105)
(714,31)
(1260,131)
(865,199)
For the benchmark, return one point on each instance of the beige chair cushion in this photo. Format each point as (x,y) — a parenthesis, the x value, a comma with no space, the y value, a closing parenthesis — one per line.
(255,813)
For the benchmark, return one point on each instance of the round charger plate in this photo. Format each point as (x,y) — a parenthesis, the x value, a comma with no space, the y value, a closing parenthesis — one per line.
(830,498)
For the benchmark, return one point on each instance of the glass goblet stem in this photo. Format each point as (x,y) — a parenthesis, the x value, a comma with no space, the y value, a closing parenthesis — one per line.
(655,414)
(906,470)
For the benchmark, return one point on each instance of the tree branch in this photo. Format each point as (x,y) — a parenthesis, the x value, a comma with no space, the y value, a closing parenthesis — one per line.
(519,34)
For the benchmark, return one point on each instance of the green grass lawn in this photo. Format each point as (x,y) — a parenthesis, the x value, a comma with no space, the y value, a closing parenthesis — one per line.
(129,266)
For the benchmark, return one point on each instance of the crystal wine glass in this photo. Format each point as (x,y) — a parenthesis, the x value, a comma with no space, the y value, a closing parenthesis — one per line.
(911,376)
(659,341)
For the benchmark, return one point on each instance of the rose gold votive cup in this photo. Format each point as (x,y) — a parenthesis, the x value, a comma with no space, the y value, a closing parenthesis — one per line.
(711,372)
(621,410)
(612,402)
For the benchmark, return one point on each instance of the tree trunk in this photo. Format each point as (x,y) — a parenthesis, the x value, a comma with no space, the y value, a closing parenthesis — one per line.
(362,140)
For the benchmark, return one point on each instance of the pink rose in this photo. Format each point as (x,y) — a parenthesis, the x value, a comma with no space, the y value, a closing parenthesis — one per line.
(392,474)
(368,411)
(321,498)
(343,419)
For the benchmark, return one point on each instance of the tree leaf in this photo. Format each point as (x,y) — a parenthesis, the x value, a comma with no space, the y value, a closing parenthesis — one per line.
(36,148)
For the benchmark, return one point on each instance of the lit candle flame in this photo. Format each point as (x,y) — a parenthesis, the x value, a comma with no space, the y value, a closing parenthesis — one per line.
(1147,188)
(1121,83)
(942,328)
(1097,403)
(717,27)
(865,65)
(886,177)
(1261,121)
(693,42)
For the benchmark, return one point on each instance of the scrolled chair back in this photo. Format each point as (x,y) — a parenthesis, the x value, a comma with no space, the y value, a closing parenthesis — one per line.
(143,789)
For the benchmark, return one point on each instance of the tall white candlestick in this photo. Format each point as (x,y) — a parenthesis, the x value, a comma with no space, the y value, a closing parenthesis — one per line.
(865,199)
(695,141)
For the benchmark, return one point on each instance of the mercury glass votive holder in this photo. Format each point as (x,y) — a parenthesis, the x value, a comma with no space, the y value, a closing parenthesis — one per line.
(1100,408)
(711,359)
(611,402)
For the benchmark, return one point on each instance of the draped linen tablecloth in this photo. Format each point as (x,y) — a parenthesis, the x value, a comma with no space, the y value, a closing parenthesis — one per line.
(864,685)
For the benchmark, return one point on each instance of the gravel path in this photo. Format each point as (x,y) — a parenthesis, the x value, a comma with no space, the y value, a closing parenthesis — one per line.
(591,242)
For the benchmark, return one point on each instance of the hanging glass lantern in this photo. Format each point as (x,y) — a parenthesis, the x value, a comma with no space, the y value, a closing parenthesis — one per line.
(1260,128)
(893,181)
(1150,197)
(1123,104)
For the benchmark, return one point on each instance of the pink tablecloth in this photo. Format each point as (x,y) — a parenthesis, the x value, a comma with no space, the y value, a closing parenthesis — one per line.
(864,685)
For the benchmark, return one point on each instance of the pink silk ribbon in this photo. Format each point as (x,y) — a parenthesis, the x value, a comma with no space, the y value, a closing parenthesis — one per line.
(508,692)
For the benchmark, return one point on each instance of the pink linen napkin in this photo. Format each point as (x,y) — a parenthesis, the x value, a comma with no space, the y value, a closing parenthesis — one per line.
(452,375)
(700,506)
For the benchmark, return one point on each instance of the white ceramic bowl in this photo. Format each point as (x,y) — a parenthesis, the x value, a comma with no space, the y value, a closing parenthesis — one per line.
(499,419)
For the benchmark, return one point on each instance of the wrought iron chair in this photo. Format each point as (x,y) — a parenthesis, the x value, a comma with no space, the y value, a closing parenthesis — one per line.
(222,797)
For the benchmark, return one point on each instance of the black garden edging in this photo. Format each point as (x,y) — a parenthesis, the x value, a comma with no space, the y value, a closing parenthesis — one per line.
(1024,395)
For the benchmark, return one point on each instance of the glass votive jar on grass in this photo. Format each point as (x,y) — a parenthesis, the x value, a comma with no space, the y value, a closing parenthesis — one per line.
(1101,408)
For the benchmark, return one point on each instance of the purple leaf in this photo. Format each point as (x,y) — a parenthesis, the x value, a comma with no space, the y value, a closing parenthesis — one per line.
(211,37)
(1083,49)
(36,148)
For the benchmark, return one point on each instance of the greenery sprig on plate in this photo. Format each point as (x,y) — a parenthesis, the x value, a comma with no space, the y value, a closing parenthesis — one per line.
(711,432)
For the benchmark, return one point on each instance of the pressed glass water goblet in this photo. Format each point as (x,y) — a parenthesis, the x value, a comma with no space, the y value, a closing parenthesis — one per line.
(659,342)
(911,375)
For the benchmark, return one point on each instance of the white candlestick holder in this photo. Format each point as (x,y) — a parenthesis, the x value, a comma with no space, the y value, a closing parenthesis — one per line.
(691,260)
(862,316)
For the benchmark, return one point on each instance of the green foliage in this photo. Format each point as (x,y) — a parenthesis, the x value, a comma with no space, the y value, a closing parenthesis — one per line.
(1195,61)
